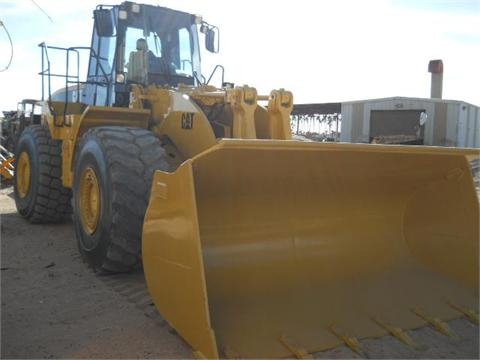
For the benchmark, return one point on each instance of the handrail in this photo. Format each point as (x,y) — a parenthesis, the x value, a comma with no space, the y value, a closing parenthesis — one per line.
(69,78)
(214,71)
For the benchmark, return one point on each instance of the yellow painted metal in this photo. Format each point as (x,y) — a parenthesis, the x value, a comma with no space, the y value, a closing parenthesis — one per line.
(23,174)
(243,101)
(159,100)
(230,353)
(236,112)
(350,341)
(176,262)
(437,324)
(295,349)
(198,355)
(189,142)
(6,167)
(73,126)
(89,198)
(398,333)
(280,106)
(274,121)
(468,313)
(253,239)
(186,126)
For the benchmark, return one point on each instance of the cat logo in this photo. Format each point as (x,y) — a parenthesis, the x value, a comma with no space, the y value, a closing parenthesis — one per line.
(187,120)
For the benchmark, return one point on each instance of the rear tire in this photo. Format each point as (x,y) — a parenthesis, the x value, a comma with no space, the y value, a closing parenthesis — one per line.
(113,177)
(39,194)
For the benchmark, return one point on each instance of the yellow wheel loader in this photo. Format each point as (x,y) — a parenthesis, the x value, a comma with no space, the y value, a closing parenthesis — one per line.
(14,123)
(252,244)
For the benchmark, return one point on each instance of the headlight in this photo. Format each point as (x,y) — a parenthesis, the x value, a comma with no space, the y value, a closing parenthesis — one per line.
(136,8)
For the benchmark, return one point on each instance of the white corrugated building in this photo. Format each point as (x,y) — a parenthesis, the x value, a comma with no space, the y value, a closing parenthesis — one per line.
(429,121)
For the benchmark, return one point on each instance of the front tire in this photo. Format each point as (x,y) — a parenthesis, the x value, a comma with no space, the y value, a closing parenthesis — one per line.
(39,194)
(113,175)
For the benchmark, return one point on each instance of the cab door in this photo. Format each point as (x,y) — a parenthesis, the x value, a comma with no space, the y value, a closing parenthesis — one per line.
(99,88)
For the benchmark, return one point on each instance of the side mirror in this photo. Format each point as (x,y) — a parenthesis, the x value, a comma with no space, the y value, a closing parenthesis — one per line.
(212,39)
(104,22)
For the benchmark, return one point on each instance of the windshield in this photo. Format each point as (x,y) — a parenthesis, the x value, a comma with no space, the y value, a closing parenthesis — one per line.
(160,46)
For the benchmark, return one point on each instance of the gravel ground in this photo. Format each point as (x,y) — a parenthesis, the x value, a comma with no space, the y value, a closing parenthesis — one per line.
(53,306)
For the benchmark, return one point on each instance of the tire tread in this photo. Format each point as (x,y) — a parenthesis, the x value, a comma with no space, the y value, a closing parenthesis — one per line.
(52,201)
(131,170)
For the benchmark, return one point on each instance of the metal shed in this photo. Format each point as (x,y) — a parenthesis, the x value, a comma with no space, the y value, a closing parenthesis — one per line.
(436,122)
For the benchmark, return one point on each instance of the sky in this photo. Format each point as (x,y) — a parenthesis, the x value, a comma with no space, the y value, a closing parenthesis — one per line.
(322,51)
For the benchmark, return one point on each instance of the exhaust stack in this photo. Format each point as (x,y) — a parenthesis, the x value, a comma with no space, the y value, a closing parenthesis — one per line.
(436,68)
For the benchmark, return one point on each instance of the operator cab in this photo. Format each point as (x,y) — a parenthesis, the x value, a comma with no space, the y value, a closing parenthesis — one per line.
(143,44)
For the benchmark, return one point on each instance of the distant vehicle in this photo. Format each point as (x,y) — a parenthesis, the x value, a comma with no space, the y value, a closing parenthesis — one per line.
(28,113)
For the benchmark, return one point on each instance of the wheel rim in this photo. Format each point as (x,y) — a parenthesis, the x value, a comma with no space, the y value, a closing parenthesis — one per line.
(23,175)
(89,200)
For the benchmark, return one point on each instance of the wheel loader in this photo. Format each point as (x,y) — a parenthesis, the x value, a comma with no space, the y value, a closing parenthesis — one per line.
(253,245)
(27,113)
(15,122)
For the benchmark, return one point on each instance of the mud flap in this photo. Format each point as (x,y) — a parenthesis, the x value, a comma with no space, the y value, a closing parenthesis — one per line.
(282,248)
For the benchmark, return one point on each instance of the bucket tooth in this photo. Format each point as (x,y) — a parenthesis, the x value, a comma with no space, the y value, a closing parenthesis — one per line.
(468,313)
(399,334)
(199,355)
(350,341)
(230,353)
(296,350)
(436,323)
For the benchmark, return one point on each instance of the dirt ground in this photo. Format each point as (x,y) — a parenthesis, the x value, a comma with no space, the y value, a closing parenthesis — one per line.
(53,306)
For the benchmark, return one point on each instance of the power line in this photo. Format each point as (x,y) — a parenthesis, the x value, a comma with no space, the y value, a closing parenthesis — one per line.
(11,46)
(10,39)
(43,11)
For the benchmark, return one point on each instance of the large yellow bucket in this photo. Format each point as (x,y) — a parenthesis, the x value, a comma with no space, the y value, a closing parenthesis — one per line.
(284,248)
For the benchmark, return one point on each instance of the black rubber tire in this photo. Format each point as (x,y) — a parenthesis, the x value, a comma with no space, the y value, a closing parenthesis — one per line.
(47,201)
(124,161)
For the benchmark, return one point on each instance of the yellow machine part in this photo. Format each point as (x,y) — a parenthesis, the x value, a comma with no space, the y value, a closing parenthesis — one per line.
(281,248)
(6,167)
